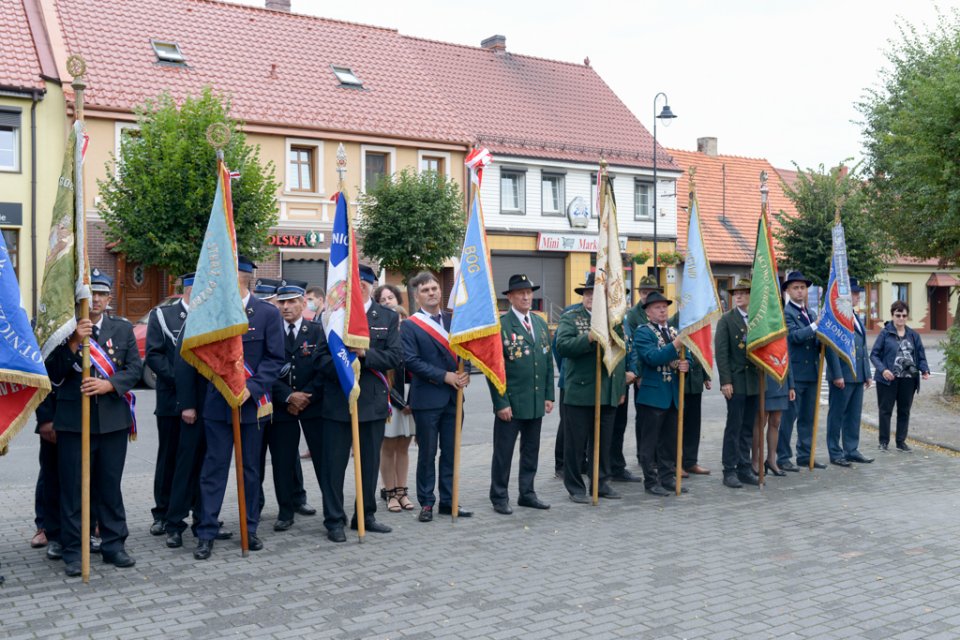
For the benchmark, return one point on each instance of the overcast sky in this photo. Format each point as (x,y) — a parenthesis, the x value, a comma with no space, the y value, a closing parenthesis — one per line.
(768,78)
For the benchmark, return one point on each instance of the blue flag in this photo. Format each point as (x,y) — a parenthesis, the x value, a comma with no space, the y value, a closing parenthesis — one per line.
(836,326)
(699,304)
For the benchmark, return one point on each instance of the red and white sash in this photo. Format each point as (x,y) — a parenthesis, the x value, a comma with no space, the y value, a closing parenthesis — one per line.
(264,404)
(434,330)
(104,365)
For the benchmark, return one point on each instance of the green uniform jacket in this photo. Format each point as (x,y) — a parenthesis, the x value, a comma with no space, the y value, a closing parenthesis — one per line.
(695,378)
(580,362)
(731,349)
(529,366)
(633,319)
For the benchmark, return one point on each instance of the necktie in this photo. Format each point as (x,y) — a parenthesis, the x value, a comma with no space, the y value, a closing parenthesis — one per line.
(666,335)
(438,319)
(95,336)
(527,326)
(803,312)
(290,335)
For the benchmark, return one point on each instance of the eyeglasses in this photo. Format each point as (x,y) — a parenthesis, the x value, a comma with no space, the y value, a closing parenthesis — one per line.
(899,315)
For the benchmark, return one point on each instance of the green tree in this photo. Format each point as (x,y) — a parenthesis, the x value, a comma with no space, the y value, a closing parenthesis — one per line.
(158,194)
(806,239)
(910,126)
(413,222)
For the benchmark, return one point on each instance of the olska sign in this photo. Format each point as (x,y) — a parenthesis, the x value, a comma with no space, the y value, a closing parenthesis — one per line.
(307,240)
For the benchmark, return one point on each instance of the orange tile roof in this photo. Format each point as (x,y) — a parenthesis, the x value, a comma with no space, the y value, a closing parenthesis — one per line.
(728,191)
(275,66)
(19,63)
(528,106)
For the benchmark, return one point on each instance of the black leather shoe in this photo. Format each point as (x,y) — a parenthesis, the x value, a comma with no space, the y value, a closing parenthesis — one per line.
(73,569)
(223,534)
(254,543)
(54,550)
(282,525)
(859,457)
(731,480)
(657,490)
(336,535)
(883,446)
(774,472)
(819,465)
(120,559)
(626,476)
(672,487)
(748,478)
(502,507)
(608,493)
(903,446)
(789,466)
(376,527)
(840,462)
(306,510)
(805,464)
(174,539)
(203,550)
(157,528)
(426,514)
(461,512)
(579,498)
(533,503)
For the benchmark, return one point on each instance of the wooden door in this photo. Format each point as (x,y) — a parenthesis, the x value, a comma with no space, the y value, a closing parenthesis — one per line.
(940,309)
(137,289)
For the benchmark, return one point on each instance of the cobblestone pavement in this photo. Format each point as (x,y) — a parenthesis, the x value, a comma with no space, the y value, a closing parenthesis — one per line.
(868,552)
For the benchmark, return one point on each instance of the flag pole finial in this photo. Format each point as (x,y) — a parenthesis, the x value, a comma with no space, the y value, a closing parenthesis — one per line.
(77,67)
(764,190)
(341,164)
(693,182)
(218,135)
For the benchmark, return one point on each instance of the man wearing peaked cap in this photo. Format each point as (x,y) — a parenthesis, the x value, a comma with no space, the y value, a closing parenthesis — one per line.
(266,289)
(111,417)
(529,395)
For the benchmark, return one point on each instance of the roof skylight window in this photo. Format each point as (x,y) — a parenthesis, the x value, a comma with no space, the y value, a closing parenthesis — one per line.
(346,76)
(168,51)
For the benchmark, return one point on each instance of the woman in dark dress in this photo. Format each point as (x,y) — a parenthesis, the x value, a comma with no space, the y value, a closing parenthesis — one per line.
(776,399)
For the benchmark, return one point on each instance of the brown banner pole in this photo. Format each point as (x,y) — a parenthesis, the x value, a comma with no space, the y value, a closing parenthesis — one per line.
(457,424)
(241,495)
(762,423)
(679,470)
(358,473)
(816,410)
(596,434)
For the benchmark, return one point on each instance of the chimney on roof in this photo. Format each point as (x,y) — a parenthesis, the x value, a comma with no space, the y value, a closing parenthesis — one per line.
(495,43)
(707,146)
(278,5)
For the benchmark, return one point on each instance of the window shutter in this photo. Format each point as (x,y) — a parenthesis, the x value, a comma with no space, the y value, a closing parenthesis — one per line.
(9,117)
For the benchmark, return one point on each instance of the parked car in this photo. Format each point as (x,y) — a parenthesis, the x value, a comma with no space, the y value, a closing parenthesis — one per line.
(140,333)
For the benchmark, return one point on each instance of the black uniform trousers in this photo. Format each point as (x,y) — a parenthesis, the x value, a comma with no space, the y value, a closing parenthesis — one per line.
(337,441)
(185,484)
(216,471)
(558,445)
(899,392)
(577,432)
(504,439)
(657,448)
(435,426)
(49,498)
(618,463)
(738,433)
(691,429)
(108,453)
(168,435)
(283,440)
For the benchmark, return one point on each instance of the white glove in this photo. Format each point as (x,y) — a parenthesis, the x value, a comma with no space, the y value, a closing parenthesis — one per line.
(813,325)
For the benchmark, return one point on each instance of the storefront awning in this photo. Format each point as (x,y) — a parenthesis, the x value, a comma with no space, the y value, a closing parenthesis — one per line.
(942,280)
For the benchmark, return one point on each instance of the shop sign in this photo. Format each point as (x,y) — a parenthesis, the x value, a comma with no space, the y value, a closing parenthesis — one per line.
(11,213)
(308,240)
(571,242)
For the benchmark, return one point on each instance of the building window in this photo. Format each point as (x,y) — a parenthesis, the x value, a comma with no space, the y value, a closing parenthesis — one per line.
(901,292)
(378,163)
(512,191)
(9,139)
(642,200)
(432,163)
(11,238)
(301,168)
(551,194)
(347,77)
(168,52)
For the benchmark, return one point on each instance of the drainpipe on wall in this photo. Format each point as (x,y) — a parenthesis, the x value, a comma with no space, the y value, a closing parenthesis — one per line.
(36,96)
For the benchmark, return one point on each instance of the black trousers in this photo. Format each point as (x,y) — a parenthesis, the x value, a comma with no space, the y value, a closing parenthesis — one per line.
(657,448)
(577,431)
(168,434)
(900,392)
(185,486)
(283,440)
(692,403)
(108,453)
(435,428)
(337,442)
(216,470)
(738,432)
(49,491)
(618,463)
(504,439)
(558,445)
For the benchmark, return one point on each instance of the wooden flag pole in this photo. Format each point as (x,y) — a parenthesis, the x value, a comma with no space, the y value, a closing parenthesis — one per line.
(816,409)
(241,495)
(762,420)
(596,434)
(358,472)
(683,380)
(457,424)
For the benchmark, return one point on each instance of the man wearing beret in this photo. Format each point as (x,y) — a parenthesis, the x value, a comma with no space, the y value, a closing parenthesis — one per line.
(118,368)
(519,410)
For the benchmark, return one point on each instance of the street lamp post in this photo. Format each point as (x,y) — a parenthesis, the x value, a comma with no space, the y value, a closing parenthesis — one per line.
(667,115)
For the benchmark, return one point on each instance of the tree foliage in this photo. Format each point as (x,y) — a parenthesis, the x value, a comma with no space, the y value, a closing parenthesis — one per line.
(413,222)
(807,239)
(157,201)
(911,124)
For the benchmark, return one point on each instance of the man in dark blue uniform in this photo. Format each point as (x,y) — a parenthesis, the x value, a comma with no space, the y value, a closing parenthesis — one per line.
(110,420)
(383,354)
(163,330)
(263,355)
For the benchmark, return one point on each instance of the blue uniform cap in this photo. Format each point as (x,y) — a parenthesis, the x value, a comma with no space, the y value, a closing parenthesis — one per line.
(265,288)
(187,279)
(290,289)
(367,274)
(245,264)
(100,282)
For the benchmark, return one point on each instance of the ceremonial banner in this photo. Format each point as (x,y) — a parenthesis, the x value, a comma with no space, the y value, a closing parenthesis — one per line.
(217,321)
(23,378)
(65,278)
(835,326)
(475,327)
(609,293)
(344,320)
(699,304)
(766,327)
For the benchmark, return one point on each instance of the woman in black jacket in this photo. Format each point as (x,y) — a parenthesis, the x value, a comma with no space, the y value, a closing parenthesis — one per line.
(899,362)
